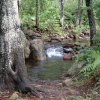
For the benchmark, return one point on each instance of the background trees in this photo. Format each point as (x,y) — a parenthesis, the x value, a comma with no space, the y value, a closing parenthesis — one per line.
(89,4)
(37,14)
(73,11)
(62,12)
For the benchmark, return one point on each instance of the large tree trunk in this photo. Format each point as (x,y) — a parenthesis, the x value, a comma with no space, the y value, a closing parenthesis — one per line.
(91,20)
(13,72)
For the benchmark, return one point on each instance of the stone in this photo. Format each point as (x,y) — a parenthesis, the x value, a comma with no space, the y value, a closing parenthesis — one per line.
(27,49)
(37,50)
(22,99)
(67,82)
(67,50)
(67,56)
(14,96)
(76,98)
(30,34)
(75,68)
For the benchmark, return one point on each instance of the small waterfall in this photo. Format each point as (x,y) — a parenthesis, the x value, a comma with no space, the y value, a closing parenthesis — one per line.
(55,52)
(87,37)
(52,68)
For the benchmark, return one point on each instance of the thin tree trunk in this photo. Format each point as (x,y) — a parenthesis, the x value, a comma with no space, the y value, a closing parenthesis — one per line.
(37,14)
(62,13)
(79,12)
(78,21)
(42,5)
(13,72)
(91,20)
(18,4)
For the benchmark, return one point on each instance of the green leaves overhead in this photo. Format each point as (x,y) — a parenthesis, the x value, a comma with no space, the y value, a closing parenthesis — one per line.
(49,13)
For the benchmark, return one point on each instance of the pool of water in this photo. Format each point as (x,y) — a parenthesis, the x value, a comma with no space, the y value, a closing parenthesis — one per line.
(51,69)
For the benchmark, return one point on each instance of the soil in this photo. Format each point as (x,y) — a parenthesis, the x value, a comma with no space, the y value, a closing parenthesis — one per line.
(53,90)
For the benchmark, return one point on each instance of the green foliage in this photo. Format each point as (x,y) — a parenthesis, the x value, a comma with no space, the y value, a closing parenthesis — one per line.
(91,56)
(26,12)
(49,15)
(92,65)
(81,28)
(96,42)
(97,11)
(26,20)
(49,18)
(70,11)
(84,55)
(92,59)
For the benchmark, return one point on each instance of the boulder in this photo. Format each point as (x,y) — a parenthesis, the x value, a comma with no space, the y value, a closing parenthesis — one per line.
(75,68)
(67,82)
(27,48)
(37,50)
(73,97)
(67,50)
(30,34)
(14,96)
(67,56)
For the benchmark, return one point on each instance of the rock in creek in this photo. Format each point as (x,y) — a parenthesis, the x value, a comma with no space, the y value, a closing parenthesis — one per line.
(67,56)
(67,50)
(37,50)
(75,68)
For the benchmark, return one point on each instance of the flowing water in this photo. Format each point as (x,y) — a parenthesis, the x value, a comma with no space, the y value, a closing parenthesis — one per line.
(51,69)
(55,52)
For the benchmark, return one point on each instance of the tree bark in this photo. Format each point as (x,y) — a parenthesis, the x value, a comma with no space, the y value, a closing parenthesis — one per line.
(78,21)
(91,20)
(13,72)
(62,13)
(37,14)
(42,2)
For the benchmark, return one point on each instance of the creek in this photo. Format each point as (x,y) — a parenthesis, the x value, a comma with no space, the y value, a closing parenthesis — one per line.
(51,69)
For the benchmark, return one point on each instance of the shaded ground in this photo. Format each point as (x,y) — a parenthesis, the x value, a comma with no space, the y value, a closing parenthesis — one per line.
(53,91)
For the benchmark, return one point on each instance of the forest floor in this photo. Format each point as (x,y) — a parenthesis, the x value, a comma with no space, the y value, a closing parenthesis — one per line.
(54,90)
